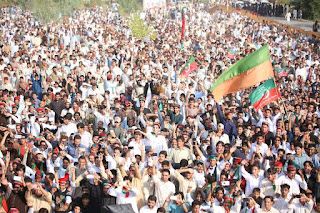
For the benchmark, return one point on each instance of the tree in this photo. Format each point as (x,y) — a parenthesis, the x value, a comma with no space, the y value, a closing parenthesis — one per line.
(139,29)
(310,8)
(126,7)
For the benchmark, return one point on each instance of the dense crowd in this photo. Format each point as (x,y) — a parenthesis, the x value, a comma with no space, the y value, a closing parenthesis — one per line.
(91,116)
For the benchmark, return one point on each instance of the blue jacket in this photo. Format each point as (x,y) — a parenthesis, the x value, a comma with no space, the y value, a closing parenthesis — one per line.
(229,127)
(36,86)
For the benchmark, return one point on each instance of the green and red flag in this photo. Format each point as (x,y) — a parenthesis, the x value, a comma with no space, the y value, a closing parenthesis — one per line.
(281,72)
(246,73)
(264,94)
(231,54)
(183,27)
(3,203)
(189,67)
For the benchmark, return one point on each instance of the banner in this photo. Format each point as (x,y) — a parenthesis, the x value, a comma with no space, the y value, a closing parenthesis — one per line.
(154,4)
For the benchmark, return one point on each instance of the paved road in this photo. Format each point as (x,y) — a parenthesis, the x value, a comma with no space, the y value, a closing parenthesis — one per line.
(303,24)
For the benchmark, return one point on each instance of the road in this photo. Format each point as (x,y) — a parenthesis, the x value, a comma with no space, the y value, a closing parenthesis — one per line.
(303,24)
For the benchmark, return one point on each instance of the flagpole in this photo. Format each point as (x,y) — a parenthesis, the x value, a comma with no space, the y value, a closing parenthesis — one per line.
(279,97)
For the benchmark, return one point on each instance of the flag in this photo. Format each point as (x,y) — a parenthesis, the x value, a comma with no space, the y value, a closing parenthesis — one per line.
(281,72)
(3,203)
(247,72)
(189,67)
(264,94)
(183,28)
(231,54)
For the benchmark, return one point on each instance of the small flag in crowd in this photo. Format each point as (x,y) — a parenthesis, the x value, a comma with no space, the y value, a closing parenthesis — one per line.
(281,72)
(264,94)
(189,67)
(231,54)
(247,72)
(183,28)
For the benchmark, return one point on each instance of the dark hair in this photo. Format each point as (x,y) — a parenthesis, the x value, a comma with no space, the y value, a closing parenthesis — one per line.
(309,162)
(179,193)
(67,159)
(50,175)
(43,210)
(266,197)
(256,190)
(298,145)
(127,178)
(152,198)
(219,189)
(161,210)
(283,186)
(166,170)
(165,163)
(163,152)
(77,137)
(196,203)
(272,171)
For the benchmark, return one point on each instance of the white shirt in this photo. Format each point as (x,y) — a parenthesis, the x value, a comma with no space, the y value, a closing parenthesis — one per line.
(146,209)
(121,199)
(299,208)
(263,149)
(158,143)
(282,204)
(162,190)
(294,184)
(136,147)
(68,129)
(252,182)
(86,139)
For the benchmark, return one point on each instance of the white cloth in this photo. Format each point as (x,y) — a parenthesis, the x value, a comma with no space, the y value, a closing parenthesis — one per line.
(252,182)
(162,190)
(121,199)
(294,184)
(146,209)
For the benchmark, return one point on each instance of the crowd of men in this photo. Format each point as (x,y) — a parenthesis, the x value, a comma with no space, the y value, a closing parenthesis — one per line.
(91,116)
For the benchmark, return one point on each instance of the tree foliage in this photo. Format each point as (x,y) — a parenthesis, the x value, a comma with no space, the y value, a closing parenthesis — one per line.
(127,7)
(139,29)
(310,8)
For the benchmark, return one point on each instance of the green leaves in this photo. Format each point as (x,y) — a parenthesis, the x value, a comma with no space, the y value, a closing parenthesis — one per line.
(126,7)
(139,29)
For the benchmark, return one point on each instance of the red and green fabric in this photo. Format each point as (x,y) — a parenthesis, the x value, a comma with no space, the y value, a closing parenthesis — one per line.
(126,192)
(246,73)
(183,27)
(281,72)
(231,53)
(189,67)
(264,94)
(3,203)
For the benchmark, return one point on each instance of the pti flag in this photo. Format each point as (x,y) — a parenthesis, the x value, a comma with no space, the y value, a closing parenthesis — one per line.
(189,67)
(281,72)
(247,72)
(264,94)
(183,28)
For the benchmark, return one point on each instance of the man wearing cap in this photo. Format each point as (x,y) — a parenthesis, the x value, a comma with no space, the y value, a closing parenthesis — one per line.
(229,127)
(15,196)
(62,197)
(294,180)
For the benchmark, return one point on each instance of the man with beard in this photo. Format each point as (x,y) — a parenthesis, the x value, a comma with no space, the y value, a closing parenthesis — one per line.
(15,196)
